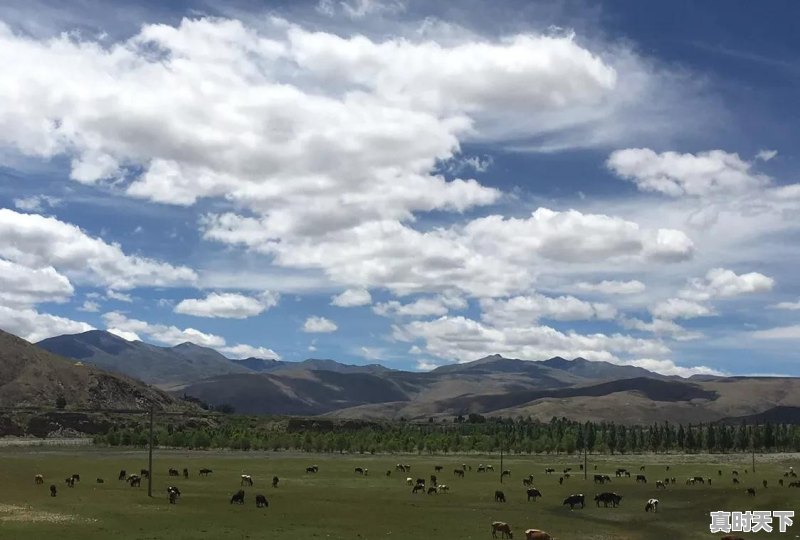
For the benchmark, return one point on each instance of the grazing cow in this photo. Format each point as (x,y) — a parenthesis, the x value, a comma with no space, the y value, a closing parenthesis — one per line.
(53,490)
(608,497)
(275,481)
(410,481)
(672,480)
(123,474)
(640,478)
(443,488)
(38,479)
(780,482)
(463,466)
(144,473)
(619,472)
(735,480)
(359,470)
(433,480)
(499,496)
(489,468)
(438,468)
(432,490)
(173,493)
(537,534)
(458,472)
(481,468)
(574,500)
(76,477)
(533,493)
(764,483)
(549,470)
(238,497)
(651,506)
(312,469)
(185,472)
(660,484)
(135,480)
(366,472)
(699,479)
(205,472)
(505,473)
(246,480)
(388,472)
(641,468)
(100,481)
(526,482)
(735,473)
(599,479)
(70,482)
(421,481)
(418,487)
(503,528)
(751,491)
(560,480)
(667,467)
(261,501)
(794,484)
(172,472)
(719,472)
(709,481)
(566,470)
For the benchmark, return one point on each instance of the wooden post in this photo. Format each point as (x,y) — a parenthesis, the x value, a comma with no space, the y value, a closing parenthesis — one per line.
(585,462)
(501,461)
(150,455)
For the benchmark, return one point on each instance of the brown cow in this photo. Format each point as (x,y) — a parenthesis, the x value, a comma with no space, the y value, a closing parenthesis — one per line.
(503,527)
(536,534)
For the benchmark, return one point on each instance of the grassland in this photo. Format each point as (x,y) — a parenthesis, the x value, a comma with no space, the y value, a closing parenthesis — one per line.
(338,504)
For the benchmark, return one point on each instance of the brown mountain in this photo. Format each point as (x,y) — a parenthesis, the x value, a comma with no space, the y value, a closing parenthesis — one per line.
(32,377)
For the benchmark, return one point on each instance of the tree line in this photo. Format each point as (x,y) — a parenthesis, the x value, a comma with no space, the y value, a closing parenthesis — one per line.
(462,435)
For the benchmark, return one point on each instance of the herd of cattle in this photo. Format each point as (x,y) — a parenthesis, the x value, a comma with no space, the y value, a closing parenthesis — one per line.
(434,487)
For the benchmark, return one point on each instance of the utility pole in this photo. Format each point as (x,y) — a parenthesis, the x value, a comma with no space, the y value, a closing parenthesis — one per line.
(150,455)
(753,448)
(501,461)
(585,462)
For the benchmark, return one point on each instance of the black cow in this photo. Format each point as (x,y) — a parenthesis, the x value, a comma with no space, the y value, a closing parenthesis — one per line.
(70,481)
(275,481)
(144,473)
(599,479)
(641,478)
(458,472)
(764,483)
(433,480)
(608,497)
(751,491)
(172,472)
(499,496)
(173,493)
(431,490)
(421,482)
(438,468)
(312,469)
(418,487)
(359,470)
(123,474)
(205,472)
(53,490)
(574,500)
(100,481)
(135,480)
(185,472)
(549,470)
(261,501)
(533,493)
(505,473)
(238,497)
(560,480)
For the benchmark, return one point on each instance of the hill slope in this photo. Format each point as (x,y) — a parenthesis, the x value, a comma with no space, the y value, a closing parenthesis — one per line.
(31,376)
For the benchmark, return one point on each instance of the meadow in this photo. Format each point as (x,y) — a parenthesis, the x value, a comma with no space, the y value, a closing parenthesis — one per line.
(336,503)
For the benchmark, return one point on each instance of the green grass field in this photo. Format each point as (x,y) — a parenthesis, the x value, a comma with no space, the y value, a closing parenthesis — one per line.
(338,504)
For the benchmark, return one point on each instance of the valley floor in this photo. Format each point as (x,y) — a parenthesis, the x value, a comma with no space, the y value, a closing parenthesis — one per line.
(337,503)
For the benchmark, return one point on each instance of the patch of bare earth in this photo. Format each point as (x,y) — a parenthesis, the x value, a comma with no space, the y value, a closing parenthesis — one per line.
(26,514)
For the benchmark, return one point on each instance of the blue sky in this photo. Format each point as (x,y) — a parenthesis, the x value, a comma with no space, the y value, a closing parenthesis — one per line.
(406,183)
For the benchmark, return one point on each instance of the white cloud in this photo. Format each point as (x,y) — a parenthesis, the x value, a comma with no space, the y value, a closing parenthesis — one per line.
(790,306)
(36,241)
(319,325)
(114,295)
(89,307)
(21,286)
(703,174)
(463,339)
(34,326)
(167,335)
(766,155)
(668,367)
(352,298)
(129,336)
(521,310)
(422,307)
(791,332)
(228,305)
(660,327)
(679,308)
(36,203)
(248,351)
(612,287)
(724,283)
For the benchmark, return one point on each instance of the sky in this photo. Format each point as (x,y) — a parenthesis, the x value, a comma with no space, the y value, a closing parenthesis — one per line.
(408,183)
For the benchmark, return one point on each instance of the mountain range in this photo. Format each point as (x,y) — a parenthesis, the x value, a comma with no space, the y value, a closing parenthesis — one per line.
(494,385)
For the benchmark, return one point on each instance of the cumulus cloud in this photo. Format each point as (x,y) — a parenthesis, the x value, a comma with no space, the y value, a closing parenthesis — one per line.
(34,326)
(790,306)
(228,305)
(126,335)
(89,307)
(423,307)
(698,175)
(319,325)
(121,297)
(22,286)
(352,298)
(679,308)
(36,241)
(724,283)
(660,327)
(668,367)
(36,203)
(612,287)
(766,155)
(160,333)
(522,310)
(248,351)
